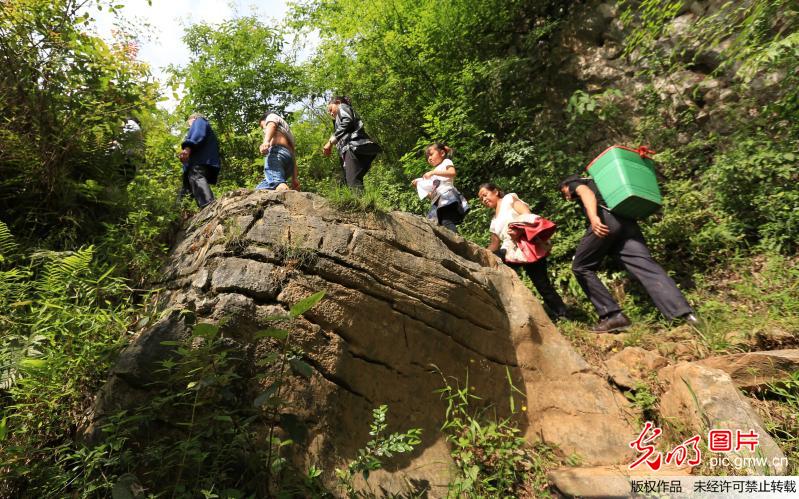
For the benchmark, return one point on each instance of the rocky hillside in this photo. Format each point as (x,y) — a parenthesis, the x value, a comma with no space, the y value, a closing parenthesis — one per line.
(404,302)
(591,55)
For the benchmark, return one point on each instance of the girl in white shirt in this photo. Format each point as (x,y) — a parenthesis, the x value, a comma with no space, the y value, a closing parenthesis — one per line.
(448,205)
(507,207)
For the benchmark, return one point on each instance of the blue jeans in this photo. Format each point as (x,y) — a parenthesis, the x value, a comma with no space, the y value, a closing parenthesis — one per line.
(278,168)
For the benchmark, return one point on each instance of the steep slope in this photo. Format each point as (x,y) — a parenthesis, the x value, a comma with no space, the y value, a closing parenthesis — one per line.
(401,297)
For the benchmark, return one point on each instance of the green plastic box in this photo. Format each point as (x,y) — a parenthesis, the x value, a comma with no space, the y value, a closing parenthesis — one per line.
(626,179)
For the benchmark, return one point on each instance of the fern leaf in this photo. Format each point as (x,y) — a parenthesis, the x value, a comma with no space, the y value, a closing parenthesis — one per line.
(8,246)
(67,271)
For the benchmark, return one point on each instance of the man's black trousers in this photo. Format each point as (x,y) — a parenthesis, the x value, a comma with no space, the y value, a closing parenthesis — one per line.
(625,241)
(195,183)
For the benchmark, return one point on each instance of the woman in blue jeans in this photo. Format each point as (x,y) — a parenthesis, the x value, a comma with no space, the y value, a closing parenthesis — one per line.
(280,162)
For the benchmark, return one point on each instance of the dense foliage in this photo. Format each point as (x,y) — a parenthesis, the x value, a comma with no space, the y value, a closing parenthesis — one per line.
(63,317)
(484,78)
(65,96)
(471,74)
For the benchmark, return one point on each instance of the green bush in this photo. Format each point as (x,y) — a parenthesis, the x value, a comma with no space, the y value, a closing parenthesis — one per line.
(491,457)
(63,317)
(756,182)
(65,99)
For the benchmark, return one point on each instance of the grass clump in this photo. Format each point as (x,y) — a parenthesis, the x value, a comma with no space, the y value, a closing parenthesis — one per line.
(345,199)
(780,409)
(491,456)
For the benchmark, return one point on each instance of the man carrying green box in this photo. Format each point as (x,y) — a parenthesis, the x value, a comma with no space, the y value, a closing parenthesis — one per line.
(610,234)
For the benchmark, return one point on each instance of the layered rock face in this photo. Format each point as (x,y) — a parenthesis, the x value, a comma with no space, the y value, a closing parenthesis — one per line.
(402,299)
(590,56)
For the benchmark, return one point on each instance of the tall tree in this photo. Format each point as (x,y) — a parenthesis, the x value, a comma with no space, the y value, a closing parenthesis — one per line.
(64,96)
(237,70)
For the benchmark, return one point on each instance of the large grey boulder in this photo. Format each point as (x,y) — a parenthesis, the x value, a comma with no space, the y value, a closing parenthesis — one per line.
(402,295)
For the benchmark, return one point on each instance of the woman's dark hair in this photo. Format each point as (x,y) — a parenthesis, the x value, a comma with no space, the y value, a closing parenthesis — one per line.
(490,186)
(568,180)
(440,146)
(340,99)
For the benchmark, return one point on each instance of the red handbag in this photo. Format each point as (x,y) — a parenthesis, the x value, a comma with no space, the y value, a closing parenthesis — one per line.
(533,241)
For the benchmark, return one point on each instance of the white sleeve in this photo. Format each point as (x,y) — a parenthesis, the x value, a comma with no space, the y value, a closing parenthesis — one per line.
(507,201)
(511,198)
(493,227)
(442,167)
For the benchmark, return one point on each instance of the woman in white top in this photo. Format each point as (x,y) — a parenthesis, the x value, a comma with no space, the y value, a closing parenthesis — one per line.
(507,207)
(448,205)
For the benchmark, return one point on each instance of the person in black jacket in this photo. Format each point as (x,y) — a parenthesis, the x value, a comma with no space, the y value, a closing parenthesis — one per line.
(356,149)
(200,157)
(611,234)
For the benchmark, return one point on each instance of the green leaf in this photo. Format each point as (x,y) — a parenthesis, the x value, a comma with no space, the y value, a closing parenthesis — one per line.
(313,472)
(33,363)
(261,399)
(272,332)
(301,368)
(269,359)
(206,330)
(3,429)
(306,304)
